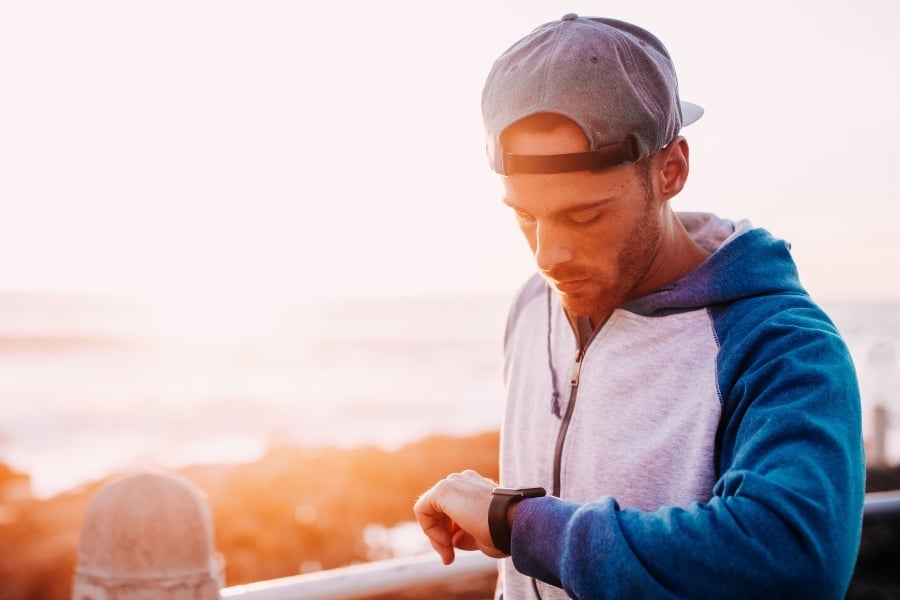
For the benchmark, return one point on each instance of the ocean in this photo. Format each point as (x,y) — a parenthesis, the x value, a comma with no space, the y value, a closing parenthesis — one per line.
(92,385)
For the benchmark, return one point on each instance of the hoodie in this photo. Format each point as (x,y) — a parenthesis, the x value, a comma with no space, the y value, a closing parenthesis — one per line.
(705,442)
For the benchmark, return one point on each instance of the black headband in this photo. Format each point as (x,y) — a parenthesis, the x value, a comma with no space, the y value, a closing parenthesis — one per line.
(604,157)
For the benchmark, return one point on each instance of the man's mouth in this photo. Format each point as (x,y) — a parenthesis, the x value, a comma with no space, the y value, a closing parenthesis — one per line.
(571,286)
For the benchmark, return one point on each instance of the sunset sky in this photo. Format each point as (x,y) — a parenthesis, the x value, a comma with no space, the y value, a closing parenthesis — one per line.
(272,149)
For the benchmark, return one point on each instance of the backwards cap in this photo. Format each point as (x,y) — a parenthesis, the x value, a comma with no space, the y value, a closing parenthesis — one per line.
(614,79)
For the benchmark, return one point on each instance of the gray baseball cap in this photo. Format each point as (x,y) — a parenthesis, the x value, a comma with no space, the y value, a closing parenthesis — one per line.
(614,79)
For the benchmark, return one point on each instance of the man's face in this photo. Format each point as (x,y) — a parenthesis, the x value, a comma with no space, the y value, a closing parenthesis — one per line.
(594,235)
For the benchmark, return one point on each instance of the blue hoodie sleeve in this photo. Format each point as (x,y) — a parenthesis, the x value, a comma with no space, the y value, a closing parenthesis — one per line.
(785,514)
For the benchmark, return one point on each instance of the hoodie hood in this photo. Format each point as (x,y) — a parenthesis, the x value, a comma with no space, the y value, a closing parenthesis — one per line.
(745,262)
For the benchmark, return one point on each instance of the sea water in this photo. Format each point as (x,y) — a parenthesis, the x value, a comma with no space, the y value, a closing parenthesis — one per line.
(91,386)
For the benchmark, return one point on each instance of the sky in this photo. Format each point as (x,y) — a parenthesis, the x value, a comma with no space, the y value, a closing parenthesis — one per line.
(246,150)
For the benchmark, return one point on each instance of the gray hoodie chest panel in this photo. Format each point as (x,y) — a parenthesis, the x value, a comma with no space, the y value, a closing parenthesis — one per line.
(644,423)
(646,410)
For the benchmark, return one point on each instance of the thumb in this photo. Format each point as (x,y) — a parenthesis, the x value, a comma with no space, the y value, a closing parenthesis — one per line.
(464,541)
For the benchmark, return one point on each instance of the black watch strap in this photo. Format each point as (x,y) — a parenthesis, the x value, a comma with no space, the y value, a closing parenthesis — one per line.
(500,503)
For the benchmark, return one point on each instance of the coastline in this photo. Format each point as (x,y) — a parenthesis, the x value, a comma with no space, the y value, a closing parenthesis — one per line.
(297,509)
(301,509)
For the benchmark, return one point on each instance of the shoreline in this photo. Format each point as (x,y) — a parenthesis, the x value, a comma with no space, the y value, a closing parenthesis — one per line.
(296,509)
(299,509)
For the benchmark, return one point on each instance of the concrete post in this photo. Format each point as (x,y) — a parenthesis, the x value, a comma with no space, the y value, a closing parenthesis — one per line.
(147,536)
(877,456)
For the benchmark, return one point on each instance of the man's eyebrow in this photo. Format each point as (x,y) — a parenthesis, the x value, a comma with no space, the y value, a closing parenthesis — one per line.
(585,205)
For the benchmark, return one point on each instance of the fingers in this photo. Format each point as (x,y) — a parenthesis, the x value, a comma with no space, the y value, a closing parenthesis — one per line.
(453,514)
(469,474)
(436,525)
(444,549)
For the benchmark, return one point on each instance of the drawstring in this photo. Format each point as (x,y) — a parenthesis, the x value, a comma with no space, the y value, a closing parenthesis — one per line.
(554,398)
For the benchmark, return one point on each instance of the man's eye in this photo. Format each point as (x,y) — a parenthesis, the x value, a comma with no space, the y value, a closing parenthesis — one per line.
(586,216)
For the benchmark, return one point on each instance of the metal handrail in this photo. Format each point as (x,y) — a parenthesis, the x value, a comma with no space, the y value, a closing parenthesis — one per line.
(385,576)
(367,579)
(879,503)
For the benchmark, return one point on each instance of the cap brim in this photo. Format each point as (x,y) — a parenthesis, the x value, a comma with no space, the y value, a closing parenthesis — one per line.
(690,113)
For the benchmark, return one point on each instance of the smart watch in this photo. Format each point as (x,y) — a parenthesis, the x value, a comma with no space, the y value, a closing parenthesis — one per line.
(502,499)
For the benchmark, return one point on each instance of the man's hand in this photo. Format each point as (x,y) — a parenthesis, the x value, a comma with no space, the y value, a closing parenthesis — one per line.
(454,514)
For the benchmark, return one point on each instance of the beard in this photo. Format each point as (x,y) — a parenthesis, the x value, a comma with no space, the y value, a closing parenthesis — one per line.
(610,289)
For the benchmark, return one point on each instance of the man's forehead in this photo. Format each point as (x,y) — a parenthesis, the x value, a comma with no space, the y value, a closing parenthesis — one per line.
(559,193)
(555,135)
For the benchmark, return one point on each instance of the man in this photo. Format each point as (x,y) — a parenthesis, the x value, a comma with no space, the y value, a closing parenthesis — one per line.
(692,415)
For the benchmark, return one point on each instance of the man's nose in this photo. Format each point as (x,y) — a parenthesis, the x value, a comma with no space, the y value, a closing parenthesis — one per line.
(551,247)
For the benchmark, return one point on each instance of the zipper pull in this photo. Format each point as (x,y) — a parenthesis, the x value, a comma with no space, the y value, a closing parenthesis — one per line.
(576,370)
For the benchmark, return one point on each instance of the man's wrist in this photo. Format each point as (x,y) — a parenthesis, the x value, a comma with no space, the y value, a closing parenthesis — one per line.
(502,510)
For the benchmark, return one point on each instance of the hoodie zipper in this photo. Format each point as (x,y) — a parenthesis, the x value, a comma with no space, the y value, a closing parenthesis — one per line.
(564,426)
(561,441)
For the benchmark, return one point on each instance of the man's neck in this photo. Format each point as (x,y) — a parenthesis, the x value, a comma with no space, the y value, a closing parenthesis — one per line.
(678,254)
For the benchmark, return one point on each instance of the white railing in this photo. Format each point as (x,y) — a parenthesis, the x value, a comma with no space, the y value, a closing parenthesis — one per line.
(367,579)
(396,574)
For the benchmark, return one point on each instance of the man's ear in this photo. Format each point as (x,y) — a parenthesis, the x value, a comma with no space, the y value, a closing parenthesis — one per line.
(672,164)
